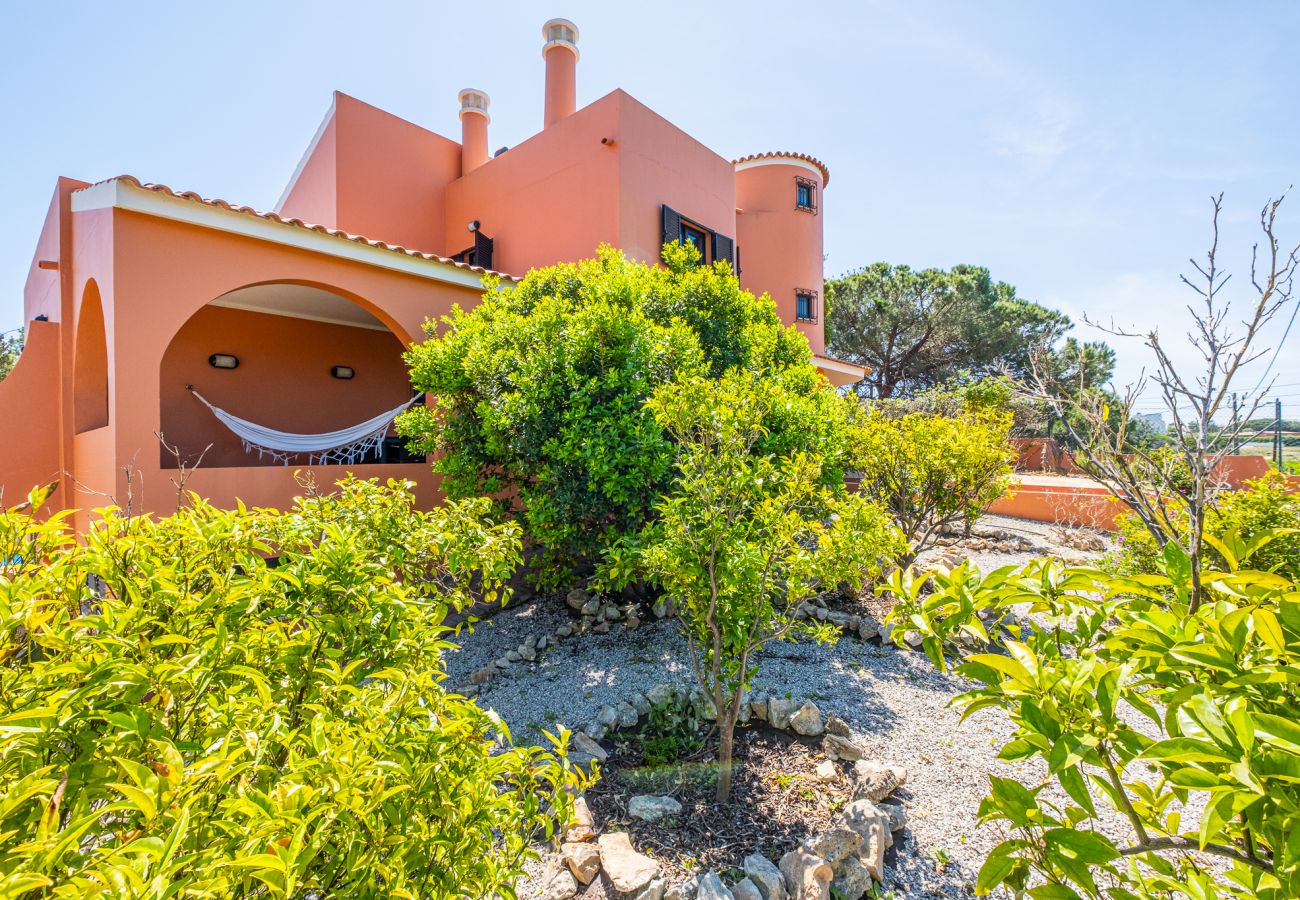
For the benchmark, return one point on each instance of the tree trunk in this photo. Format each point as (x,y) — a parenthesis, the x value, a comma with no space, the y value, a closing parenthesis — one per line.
(726,738)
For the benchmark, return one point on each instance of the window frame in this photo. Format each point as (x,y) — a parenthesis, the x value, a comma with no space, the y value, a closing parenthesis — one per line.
(801,184)
(705,243)
(799,294)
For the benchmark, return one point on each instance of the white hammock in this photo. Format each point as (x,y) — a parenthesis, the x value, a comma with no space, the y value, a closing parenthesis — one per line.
(347,446)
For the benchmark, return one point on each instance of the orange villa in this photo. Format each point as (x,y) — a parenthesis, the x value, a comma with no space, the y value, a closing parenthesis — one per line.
(292,325)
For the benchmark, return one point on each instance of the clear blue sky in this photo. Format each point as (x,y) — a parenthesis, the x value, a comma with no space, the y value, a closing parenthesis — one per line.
(1069,147)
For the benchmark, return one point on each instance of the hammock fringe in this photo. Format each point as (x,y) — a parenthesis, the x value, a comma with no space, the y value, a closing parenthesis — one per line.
(348,446)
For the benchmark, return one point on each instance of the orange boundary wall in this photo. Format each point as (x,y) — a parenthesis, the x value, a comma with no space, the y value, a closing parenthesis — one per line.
(1067,501)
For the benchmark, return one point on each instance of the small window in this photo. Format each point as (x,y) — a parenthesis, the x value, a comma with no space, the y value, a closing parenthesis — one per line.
(697,236)
(805,306)
(805,194)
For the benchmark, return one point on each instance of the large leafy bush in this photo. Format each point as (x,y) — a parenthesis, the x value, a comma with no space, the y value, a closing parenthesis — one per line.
(933,467)
(181,717)
(541,389)
(1181,723)
(748,533)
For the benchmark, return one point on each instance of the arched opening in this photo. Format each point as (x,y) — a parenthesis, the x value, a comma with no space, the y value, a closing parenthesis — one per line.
(90,364)
(292,357)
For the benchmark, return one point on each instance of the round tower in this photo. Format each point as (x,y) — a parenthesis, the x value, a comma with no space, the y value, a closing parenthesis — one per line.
(779,235)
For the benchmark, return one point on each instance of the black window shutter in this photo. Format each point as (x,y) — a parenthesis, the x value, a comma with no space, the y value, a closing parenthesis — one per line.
(723,249)
(737,264)
(672,226)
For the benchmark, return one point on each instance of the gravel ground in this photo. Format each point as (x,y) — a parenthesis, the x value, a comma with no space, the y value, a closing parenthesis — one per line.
(896,703)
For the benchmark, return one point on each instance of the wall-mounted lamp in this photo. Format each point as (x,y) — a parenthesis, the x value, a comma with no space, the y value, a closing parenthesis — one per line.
(473,225)
(223,361)
(344,372)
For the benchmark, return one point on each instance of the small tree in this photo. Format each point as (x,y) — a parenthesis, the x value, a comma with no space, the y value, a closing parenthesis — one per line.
(1164,490)
(931,471)
(745,536)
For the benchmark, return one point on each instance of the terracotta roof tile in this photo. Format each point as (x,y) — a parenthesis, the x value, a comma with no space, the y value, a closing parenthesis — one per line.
(299,223)
(778,154)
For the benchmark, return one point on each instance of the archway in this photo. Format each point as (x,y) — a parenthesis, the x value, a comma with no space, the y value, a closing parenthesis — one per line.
(289,356)
(90,363)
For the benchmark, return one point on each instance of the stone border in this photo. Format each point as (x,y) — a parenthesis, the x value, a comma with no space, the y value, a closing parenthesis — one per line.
(847,858)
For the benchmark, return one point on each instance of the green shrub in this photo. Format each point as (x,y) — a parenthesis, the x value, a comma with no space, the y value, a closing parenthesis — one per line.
(1219,687)
(747,534)
(1262,506)
(671,731)
(931,471)
(542,389)
(179,717)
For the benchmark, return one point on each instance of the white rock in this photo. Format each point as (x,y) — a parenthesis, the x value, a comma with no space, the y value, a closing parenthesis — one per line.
(852,880)
(779,711)
(601,628)
(628,871)
(653,891)
(640,703)
(826,772)
(586,745)
(913,639)
(836,725)
(513,656)
(651,809)
(660,694)
(612,613)
(896,812)
(582,826)
(583,860)
(608,716)
(745,890)
(875,781)
(872,826)
(527,653)
(591,607)
(765,876)
(807,877)
(837,747)
(576,598)
(759,709)
(560,886)
(834,844)
(807,720)
(627,715)
(712,888)
(683,890)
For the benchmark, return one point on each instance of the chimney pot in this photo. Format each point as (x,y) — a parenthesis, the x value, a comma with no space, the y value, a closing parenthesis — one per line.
(561,54)
(474,120)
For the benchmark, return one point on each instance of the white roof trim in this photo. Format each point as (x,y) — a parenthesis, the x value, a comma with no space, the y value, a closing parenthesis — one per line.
(779,161)
(852,372)
(311,148)
(119,194)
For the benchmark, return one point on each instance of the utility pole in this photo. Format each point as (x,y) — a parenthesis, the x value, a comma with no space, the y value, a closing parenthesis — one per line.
(1277,432)
(1236,425)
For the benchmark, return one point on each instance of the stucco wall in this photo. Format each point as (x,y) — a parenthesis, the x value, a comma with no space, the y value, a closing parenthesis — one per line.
(553,197)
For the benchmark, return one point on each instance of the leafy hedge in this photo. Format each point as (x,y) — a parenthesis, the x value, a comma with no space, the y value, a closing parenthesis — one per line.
(181,717)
